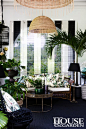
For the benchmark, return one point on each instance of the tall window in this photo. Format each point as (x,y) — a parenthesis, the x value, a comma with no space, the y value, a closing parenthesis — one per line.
(36,42)
(17,40)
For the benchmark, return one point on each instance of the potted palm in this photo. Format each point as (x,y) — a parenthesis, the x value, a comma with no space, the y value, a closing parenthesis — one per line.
(15,90)
(77,42)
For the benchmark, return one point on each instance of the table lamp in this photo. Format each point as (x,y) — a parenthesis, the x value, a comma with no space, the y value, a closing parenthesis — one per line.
(75,68)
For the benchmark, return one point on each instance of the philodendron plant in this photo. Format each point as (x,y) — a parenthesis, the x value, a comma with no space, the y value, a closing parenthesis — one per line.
(15,90)
(36,83)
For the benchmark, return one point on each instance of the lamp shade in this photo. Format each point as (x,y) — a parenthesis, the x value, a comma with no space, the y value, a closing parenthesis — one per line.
(74,67)
(42,24)
(2,74)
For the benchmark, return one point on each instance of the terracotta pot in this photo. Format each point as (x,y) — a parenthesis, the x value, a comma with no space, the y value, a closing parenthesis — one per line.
(20,102)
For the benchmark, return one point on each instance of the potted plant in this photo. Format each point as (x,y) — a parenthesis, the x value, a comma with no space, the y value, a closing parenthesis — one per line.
(15,90)
(14,68)
(37,83)
(77,42)
(12,65)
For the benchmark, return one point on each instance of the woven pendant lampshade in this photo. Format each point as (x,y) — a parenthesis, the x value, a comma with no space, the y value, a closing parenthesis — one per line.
(42,24)
(45,4)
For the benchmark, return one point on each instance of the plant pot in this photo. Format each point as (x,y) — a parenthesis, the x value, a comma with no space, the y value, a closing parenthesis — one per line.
(11,74)
(39,90)
(20,102)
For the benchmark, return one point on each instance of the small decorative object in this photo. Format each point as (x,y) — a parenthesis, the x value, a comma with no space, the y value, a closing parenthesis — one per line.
(39,90)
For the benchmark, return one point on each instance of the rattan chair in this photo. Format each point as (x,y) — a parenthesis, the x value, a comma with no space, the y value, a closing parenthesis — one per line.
(19,119)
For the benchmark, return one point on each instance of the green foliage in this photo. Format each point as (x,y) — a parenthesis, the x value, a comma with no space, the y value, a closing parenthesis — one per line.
(12,64)
(36,83)
(31,70)
(77,42)
(44,68)
(3,120)
(14,89)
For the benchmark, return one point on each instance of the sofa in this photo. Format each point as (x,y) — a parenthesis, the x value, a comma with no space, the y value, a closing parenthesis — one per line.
(59,84)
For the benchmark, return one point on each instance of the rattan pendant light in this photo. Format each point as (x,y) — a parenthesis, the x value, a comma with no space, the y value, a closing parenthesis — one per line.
(42,24)
(45,4)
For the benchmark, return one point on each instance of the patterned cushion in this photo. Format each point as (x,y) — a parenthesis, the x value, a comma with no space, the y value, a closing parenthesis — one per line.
(11,104)
(66,83)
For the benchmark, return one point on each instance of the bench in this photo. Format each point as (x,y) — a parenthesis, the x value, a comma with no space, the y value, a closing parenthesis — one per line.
(61,92)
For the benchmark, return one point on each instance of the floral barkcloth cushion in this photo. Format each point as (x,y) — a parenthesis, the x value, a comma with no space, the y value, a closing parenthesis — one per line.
(11,104)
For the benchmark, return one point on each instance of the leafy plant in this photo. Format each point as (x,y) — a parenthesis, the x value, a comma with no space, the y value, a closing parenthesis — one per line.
(14,89)
(3,120)
(12,64)
(77,42)
(36,83)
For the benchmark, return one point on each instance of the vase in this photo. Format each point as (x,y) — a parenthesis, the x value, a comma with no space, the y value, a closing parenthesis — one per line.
(11,74)
(39,90)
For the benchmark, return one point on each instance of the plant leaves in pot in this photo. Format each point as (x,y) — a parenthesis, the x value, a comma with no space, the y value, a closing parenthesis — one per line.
(15,90)
(37,83)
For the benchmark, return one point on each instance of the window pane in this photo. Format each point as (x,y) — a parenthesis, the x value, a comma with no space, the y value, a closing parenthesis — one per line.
(44,57)
(17,40)
(58,59)
(30,54)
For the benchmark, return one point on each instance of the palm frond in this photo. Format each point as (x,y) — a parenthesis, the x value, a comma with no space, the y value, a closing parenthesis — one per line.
(77,42)
(3,120)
